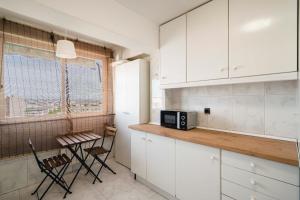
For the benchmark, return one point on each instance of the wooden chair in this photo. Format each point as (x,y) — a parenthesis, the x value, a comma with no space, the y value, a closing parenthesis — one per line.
(100,150)
(50,166)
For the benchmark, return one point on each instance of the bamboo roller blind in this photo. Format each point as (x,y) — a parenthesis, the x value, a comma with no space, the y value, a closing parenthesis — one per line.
(14,134)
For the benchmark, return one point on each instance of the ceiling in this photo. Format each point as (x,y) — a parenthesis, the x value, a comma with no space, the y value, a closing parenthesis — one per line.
(160,11)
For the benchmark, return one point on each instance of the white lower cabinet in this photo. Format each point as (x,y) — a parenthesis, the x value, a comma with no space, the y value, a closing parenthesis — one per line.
(197,171)
(138,153)
(153,159)
(161,162)
(247,177)
(194,172)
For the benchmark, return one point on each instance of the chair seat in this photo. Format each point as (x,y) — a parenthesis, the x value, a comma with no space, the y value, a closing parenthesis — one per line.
(56,161)
(96,151)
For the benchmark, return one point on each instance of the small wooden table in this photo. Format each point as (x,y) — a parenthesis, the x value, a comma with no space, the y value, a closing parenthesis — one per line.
(74,142)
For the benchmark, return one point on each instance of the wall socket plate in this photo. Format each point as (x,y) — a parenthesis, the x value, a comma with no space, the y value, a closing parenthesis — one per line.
(207,111)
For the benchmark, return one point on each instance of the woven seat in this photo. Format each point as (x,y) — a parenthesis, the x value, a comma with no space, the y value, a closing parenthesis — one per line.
(96,151)
(56,161)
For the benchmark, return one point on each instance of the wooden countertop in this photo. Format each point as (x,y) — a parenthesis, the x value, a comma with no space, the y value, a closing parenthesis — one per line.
(270,149)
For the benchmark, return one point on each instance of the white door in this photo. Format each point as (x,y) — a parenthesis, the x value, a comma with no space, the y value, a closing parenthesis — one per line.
(126,108)
(207,41)
(262,37)
(173,51)
(138,153)
(197,172)
(161,162)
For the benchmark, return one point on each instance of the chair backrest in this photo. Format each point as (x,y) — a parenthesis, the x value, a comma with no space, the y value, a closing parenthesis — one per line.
(34,153)
(110,132)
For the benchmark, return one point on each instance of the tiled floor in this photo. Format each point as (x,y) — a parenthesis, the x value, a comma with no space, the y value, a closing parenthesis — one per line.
(121,186)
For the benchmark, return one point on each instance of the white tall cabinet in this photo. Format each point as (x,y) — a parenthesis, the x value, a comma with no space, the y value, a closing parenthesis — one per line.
(173,51)
(131,100)
(197,171)
(207,41)
(262,37)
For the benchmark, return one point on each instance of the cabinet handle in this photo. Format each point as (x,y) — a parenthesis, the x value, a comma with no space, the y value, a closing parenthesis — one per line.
(237,67)
(252,165)
(126,113)
(223,69)
(143,138)
(253,182)
(163,77)
(149,140)
(213,157)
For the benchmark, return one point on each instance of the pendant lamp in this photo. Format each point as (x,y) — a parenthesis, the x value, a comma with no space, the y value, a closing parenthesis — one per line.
(65,49)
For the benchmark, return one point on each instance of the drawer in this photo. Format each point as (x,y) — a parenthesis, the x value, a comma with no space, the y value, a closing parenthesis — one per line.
(271,169)
(226,198)
(267,186)
(238,192)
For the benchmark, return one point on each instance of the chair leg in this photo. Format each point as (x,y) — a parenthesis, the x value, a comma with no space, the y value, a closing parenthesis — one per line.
(103,164)
(90,166)
(38,187)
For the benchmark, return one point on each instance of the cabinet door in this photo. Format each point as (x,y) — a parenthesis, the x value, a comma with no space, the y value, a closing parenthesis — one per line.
(207,41)
(173,51)
(262,37)
(197,172)
(161,162)
(138,153)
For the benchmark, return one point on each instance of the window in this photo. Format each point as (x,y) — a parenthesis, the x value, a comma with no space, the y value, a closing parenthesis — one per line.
(32,84)
(85,86)
(36,85)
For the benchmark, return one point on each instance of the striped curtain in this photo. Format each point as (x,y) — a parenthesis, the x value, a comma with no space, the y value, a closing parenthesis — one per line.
(42,96)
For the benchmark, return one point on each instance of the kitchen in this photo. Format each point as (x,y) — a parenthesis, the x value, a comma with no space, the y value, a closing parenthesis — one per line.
(203,98)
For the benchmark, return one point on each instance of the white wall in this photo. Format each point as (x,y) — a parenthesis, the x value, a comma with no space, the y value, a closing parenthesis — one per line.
(99,19)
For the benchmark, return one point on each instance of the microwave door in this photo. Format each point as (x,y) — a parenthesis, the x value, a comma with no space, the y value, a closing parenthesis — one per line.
(170,119)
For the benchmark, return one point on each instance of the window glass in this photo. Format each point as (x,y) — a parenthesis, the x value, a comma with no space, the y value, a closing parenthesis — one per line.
(32,82)
(84,85)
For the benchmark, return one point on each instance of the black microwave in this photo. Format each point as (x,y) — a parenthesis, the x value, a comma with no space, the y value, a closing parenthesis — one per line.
(183,120)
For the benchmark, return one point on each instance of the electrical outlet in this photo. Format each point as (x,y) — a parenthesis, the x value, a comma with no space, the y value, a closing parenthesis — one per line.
(207,111)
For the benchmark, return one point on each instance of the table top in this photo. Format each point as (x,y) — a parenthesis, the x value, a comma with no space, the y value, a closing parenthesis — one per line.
(77,138)
(270,149)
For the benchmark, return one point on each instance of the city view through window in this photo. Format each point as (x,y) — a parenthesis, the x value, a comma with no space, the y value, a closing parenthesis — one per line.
(34,83)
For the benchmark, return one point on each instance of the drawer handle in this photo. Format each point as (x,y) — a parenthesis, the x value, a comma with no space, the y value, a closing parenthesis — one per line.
(143,138)
(252,165)
(253,182)
(163,77)
(149,140)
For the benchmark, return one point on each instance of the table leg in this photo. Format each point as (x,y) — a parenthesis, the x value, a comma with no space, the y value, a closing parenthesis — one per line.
(82,161)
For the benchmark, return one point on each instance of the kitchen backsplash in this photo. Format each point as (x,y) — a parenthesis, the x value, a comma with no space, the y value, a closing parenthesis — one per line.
(271,108)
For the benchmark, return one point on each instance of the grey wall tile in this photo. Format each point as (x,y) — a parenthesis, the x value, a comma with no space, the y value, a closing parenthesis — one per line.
(263,108)
(221,113)
(282,116)
(248,89)
(248,114)
(282,88)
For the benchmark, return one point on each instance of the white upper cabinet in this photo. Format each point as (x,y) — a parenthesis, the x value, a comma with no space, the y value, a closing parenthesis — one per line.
(173,51)
(262,37)
(207,41)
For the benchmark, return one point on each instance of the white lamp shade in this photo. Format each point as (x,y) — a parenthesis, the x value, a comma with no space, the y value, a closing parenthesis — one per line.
(65,49)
